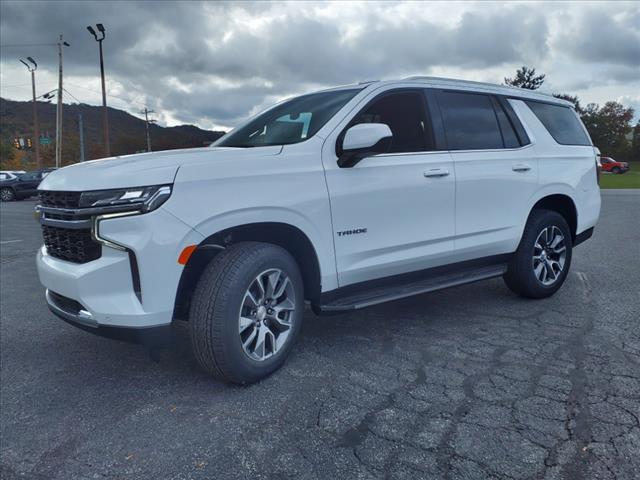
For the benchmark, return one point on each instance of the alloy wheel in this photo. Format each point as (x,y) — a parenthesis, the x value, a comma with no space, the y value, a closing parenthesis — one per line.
(6,195)
(266,314)
(549,255)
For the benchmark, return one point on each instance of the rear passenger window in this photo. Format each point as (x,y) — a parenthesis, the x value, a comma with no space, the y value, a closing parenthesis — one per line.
(470,122)
(561,122)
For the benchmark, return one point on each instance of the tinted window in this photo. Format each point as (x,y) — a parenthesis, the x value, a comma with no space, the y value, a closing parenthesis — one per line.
(290,122)
(470,122)
(404,113)
(561,122)
(509,137)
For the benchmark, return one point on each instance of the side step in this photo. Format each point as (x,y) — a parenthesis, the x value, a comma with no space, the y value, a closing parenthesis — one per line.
(378,295)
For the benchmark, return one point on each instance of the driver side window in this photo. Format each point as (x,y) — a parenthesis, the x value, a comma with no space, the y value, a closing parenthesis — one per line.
(405,114)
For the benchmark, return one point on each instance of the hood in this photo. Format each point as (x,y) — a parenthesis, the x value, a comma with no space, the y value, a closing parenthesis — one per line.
(154,168)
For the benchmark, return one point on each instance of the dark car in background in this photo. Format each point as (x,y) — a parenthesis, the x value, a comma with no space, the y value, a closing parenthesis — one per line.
(610,165)
(20,186)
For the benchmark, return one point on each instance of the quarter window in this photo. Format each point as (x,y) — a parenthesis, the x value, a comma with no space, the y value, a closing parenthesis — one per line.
(561,122)
(509,137)
(470,121)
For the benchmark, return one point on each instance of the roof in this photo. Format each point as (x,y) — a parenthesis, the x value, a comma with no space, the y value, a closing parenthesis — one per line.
(463,84)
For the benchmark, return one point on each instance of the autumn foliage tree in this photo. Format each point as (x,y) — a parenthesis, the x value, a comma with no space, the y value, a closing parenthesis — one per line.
(608,127)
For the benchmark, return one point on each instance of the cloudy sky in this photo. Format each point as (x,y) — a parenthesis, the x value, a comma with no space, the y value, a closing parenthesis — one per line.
(213,64)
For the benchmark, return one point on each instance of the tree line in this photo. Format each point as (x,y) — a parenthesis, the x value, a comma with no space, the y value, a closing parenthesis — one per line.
(610,126)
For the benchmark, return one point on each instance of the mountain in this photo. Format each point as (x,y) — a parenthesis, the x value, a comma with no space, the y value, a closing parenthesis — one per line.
(127,133)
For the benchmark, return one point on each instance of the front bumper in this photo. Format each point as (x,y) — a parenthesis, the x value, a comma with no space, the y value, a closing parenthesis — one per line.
(83,319)
(106,288)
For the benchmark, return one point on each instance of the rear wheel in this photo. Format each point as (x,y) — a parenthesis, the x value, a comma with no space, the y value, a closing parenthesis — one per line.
(541,263)
(7,194)
(246,312)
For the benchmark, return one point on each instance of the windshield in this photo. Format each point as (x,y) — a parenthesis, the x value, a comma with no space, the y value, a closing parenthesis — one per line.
(290,122)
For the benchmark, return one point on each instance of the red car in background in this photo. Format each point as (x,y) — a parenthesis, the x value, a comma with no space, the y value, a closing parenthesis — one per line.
(610,165)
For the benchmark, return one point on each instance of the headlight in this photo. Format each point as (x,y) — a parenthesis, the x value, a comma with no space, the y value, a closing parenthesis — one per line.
(136,198)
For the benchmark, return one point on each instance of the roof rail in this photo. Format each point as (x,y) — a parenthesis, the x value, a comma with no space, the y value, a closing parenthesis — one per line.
(516,90)
(453,80)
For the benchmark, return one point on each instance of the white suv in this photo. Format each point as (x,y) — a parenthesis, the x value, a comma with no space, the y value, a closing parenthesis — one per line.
(344,198)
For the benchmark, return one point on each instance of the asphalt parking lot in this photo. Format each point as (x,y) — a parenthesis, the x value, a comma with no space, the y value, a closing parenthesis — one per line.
(472,382)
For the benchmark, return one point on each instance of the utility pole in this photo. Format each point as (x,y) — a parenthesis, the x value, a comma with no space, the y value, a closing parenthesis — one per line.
(105,115)
(61,43)
(147,122)
(36,128)
(81,137)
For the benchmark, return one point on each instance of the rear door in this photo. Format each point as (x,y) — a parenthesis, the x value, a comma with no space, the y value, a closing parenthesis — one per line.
(496,172)
(394,211)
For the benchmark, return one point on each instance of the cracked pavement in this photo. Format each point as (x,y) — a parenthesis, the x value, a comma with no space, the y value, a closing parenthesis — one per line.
(471,382)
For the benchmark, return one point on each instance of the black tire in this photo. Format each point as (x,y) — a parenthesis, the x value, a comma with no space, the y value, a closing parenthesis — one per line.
(7,194)
(520,276)
(215,310)
(615,170)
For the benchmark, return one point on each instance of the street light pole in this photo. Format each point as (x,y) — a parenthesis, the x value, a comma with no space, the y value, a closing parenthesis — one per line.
(36,128)
(81,131)
(105,115)
(61,43)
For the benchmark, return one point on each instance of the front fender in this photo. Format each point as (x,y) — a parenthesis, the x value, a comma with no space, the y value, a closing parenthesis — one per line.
(246,216)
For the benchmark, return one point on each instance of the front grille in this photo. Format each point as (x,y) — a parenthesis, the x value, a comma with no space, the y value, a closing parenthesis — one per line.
(63,240)
(73,245)
(55,199)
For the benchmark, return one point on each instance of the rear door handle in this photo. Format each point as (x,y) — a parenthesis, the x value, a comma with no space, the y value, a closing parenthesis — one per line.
(436,172)
(521,167)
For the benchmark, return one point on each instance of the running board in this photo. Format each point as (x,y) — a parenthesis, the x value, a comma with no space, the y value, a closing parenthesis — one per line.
(387,294)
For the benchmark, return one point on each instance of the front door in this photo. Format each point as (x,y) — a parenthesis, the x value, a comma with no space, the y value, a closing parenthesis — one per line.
(28,183)
(393,212)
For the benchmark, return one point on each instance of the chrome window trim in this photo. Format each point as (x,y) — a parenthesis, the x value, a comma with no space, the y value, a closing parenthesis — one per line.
(431,152)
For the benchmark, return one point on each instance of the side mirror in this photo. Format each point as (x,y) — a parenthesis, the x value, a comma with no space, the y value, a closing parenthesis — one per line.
(361,141)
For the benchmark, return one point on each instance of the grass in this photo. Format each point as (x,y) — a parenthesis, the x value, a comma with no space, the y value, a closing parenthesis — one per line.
(631,179)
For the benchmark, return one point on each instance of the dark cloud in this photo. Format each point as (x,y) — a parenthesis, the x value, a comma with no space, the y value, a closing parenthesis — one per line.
(601,37)
(214,63)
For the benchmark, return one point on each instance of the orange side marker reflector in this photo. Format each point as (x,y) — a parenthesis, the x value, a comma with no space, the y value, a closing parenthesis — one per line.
(186,254)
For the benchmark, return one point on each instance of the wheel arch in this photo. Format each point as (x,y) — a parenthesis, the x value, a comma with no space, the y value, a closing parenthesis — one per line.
(287,236)
(564,205)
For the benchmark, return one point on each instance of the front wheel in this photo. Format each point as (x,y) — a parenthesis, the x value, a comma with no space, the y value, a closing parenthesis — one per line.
(615,170)
(541,263)
(7,194)
(246,312)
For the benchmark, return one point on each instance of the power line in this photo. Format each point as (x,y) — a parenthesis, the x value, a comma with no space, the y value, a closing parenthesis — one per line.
(17,45)
(126,100)
(71,95)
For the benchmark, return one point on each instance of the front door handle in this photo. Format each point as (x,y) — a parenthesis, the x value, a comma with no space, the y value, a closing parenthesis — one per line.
(436,172)
(521,167)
